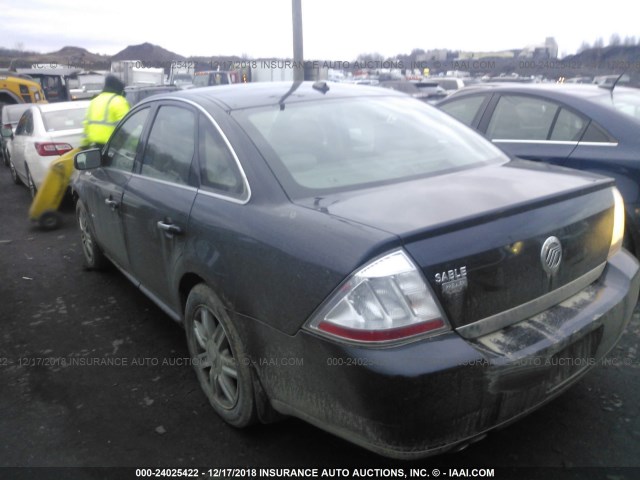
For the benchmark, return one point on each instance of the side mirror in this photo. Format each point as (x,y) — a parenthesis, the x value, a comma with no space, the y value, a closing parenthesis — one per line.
(88,159)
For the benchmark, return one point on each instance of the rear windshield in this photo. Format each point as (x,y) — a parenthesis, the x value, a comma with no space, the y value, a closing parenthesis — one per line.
(63,119)
(14,114)
(625,102)
(628,103)
(333,145)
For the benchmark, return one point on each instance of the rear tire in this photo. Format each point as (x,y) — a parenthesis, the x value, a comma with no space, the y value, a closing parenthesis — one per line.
(94,259)
(219,358)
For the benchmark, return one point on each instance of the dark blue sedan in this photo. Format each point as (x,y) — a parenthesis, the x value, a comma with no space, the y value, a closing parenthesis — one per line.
(358,259)
(586,127)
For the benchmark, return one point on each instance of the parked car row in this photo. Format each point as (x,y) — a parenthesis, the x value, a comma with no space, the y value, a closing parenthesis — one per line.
(425,282)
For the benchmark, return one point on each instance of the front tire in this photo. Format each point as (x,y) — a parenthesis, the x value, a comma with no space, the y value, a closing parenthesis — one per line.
(219,358)
(14,174)
(30,183)
(94,259)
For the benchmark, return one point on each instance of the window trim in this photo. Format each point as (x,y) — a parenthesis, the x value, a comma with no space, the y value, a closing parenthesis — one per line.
(202,123)
(557,142)
(247,187)
(483,126)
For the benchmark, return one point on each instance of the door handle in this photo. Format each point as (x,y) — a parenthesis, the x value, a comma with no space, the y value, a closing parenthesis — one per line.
(169,228)
(112,204)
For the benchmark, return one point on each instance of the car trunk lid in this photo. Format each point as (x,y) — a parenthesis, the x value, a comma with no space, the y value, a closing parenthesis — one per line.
(478,235)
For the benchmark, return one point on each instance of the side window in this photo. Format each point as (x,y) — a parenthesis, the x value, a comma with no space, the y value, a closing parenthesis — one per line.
(568,126)
(217,166)
(22,123)
(465,109)
(28,128)
(521,118)
(171,145)
(124,143)
(596,134)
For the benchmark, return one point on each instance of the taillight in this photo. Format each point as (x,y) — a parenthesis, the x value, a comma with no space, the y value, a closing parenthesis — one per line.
(49,149)
(617,233)
(387,300)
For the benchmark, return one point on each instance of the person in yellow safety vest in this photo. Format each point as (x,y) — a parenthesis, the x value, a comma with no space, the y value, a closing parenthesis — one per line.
(104,113)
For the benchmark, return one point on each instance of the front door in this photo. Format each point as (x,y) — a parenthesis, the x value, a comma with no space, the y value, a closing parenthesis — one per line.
(104,197)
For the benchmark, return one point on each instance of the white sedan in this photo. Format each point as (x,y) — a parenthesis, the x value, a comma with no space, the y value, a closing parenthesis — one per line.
(45,132)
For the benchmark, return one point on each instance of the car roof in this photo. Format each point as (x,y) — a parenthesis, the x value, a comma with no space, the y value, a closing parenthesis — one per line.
(137,88)
(579,90)
(14,107)
(58,106)
(248,95)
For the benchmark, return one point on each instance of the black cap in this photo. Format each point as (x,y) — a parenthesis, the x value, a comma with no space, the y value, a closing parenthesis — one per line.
(113,84)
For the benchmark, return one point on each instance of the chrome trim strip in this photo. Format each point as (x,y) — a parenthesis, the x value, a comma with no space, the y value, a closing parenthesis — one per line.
(166,182)
(598,144)
(557,142)
(537,305)
(543,142)
(221,196)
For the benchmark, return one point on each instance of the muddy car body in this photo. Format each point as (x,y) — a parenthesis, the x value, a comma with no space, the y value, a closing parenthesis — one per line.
(358,259)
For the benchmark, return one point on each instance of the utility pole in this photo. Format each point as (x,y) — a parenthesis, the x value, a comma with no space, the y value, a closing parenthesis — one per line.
(296,13)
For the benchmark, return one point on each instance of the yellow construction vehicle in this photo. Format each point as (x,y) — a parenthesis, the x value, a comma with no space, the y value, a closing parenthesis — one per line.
(18,88)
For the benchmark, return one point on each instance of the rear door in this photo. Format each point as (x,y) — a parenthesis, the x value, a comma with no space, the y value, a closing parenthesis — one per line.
(158,198)
(532,127)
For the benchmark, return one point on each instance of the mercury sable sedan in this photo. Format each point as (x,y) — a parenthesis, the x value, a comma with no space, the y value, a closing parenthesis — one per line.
(355,258)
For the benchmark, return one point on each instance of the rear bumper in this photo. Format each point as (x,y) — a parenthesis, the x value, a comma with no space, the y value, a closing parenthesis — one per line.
(428,396)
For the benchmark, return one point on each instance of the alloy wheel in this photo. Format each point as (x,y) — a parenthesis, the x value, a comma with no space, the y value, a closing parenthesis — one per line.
(31,184)
(14,173)
(214,360)
(85,235)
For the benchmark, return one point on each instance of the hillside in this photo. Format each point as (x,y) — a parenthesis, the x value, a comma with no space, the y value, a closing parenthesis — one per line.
(70,57)
(151,55)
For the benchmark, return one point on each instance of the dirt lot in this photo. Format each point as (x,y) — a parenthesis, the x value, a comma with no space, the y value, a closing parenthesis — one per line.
(62,406)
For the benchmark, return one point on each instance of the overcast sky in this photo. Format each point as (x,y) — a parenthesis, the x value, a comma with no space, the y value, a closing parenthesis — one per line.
(336,30)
